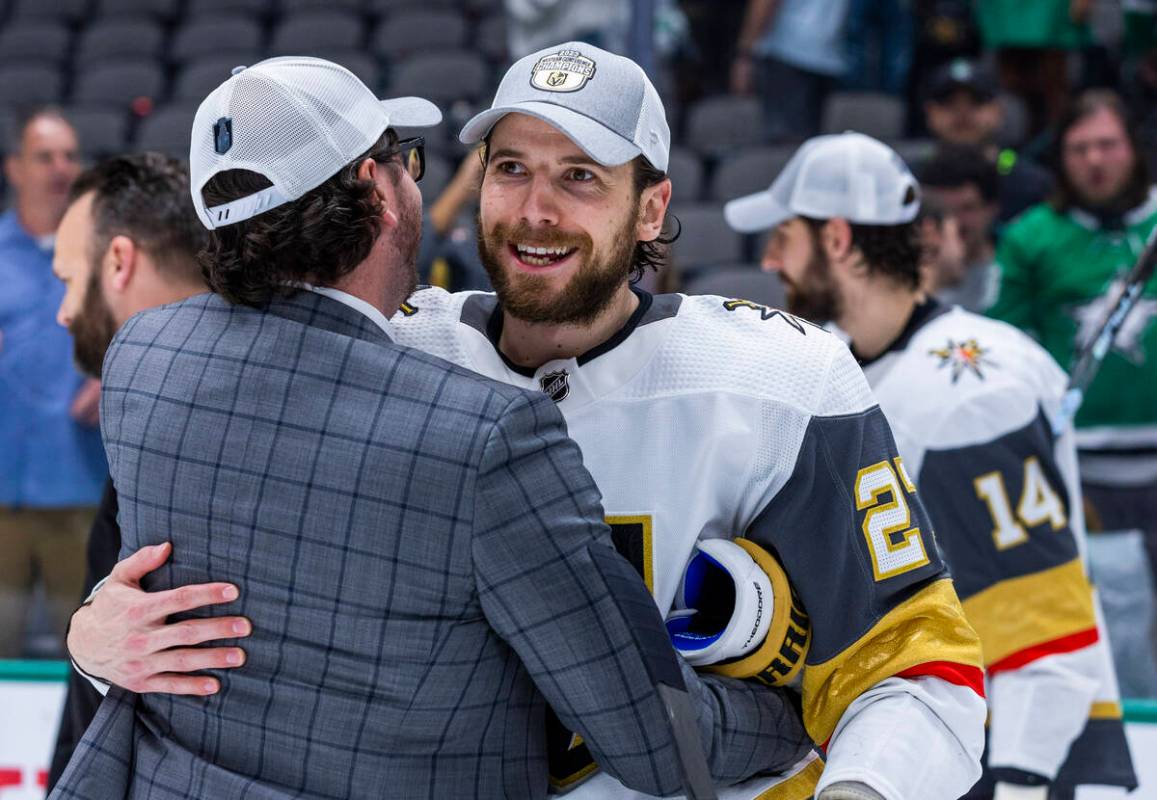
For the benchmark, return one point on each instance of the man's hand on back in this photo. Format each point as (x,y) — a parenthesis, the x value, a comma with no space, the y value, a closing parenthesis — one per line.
(122,636)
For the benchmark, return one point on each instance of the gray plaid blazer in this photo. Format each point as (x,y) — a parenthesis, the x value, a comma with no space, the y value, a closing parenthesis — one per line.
(421,553)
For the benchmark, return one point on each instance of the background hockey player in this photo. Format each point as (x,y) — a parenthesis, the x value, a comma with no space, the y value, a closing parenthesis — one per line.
(971,403)
(702,419)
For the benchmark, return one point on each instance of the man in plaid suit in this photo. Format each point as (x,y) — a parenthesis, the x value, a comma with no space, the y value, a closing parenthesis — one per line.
(422,551)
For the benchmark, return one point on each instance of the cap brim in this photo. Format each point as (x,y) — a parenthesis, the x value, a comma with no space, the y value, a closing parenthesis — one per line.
(596,140)
(755,212)
(412,112)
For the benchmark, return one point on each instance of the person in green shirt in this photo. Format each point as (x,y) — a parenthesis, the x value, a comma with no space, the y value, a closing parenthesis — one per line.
(1062,264)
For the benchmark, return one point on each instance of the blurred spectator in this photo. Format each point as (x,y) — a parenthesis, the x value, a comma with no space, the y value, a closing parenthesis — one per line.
(962,183)
(52,462)
(881,38)
(1061,267)
(962,109)
(448,254)
(1032,41)
(534,24)
(941,249)
(792,53)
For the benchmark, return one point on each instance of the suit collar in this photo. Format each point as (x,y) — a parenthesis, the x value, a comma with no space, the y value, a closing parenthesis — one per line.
(321,311)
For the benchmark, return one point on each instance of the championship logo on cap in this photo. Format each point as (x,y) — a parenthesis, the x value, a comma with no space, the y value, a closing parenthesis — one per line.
(564,71)
(555,385)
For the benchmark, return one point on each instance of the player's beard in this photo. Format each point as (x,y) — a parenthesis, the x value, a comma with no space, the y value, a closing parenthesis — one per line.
(815,297)
(408,241)
(93,328)
(589,292)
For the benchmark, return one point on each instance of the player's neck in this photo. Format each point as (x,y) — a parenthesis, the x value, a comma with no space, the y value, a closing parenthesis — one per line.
(532,344)
(875,317)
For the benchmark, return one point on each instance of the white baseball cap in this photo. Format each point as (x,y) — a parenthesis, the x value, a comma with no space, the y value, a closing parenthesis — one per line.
(295,120)
(846,175)
(604,102)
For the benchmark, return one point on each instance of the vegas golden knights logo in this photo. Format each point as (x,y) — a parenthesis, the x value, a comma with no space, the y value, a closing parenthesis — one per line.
(556,78)
(556,385)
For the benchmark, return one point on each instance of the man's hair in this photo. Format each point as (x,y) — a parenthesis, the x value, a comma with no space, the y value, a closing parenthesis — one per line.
(651,255)
(25,116)
(1086,105)
(891,250)
(955,166)
(318,238)
(145,196)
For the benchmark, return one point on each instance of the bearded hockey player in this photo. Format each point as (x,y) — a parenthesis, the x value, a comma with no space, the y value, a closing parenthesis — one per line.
(971,403)
(704,419)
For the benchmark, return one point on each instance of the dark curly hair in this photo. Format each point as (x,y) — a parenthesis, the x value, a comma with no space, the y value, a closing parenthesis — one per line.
(648,255)
(892,250)
(318,238)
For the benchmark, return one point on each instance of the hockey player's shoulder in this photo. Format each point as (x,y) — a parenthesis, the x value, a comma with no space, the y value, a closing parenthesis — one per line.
(738,318)
(432,319)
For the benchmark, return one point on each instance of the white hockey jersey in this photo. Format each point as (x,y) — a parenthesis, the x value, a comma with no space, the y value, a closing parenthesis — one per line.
(707,417)
(971,403)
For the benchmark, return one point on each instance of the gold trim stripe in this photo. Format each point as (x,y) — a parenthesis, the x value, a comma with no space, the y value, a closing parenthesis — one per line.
(1024,612)
(1106,709)
(800,786)
(929,626)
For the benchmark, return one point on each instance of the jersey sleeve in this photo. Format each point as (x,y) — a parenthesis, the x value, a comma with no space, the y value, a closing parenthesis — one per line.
(858,546)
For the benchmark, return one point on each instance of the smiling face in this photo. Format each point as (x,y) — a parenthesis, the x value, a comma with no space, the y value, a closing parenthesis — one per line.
(556,230)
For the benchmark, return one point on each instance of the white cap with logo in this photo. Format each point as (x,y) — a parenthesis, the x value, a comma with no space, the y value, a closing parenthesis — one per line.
(604,102)
(846,175)
(295,120)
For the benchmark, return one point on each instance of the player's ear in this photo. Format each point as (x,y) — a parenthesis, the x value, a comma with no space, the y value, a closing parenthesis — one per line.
(836,238)
(373,172)
(653,203)
(120,262)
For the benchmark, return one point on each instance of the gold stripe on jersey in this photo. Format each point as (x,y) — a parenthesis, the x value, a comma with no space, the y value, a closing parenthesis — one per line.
(1030,610)
(800,786)
(929,626)
(1106,709)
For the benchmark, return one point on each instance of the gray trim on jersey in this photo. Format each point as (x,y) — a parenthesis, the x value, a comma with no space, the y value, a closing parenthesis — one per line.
(813,526)
(964,522)
(477,309)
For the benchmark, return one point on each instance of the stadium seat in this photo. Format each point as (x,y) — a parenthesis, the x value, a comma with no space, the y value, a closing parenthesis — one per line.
(878,115)
(489,36)
(102,131)
(387,7)
(199,77)
(443,77)
(686,173)
(61,10)
(359,62)
(164,10)
(310,31)
(742,281)
(212,9)
(29,84)
(167,130)
(748,171)
(414,31)
(108,39)
(24,41)
(724,123)
(914,151)
(118,83)
(1014,127)
(297,6)
(705,239)
(215,35)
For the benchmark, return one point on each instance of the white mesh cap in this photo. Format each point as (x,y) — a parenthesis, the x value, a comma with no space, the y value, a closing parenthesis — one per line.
(605,103)
(846,175)
(295,120)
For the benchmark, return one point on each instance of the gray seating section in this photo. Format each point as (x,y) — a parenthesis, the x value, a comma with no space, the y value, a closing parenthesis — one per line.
(705,239)
(101,131)
(24,41)
(197,78)
(489,36)
(163,10)
(724,123)
(914,151)
(685,169)
(120,39)
(295,6)
(209,9)
(443,77)
(740,281)
(1014,125)
(118,83)
(748,171)
(308,32)
(62,10)
(167,130)
(414,31)
(878,115)
(30,84)
(387,7)
(215,35)
(360,63)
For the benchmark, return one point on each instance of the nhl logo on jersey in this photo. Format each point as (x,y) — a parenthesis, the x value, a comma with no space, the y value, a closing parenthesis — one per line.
(555,385)
(964,356)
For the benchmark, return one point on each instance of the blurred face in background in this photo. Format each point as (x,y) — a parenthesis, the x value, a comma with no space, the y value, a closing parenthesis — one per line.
(794,251)
(942,260)
(969,213)
(1098,159)
(962,118)
(43,169)
(83,310)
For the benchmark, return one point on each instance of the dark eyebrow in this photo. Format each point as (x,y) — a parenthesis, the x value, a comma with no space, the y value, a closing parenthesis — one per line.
(583,160)
(506,152)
